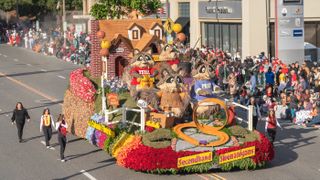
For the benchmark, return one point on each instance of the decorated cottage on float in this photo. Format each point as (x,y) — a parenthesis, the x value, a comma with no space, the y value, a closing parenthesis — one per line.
(121,37)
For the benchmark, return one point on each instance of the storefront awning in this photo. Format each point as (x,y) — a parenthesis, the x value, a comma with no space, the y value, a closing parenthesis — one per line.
(183,21)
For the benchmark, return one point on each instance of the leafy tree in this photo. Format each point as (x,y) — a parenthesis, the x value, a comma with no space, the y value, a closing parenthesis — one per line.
(7,5)
(113,9)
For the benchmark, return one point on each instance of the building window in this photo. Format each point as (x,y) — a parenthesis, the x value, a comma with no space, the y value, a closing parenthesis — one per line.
(135,34)
(184,9)
(157,33)
(223,36)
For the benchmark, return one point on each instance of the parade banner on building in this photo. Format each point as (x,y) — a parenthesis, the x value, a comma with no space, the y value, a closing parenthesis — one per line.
(237,155)
(194,159)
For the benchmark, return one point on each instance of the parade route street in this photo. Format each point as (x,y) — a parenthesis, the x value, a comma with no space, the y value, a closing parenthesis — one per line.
(40,81)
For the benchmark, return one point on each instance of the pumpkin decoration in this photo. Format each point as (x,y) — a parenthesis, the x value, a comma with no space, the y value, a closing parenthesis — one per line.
(100,34)
(181,37)
(104,52)
(105,44)
(177,28)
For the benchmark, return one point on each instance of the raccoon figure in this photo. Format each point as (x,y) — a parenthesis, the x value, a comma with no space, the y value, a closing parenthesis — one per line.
(173,100)
(204,86)
(169,57)
(140,75)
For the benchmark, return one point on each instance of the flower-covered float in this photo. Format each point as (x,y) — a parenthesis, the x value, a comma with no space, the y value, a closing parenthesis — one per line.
(165,113)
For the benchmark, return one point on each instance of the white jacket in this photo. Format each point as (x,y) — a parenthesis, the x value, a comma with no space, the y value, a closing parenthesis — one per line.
(41,122)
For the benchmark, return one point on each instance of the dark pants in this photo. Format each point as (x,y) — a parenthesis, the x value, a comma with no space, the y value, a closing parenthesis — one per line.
(20,126)
(63,142)
(272,134)
(47,131)
(255,122)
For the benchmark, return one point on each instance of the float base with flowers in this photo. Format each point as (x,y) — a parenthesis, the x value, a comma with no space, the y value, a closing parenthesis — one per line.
(165,150)
(153,126)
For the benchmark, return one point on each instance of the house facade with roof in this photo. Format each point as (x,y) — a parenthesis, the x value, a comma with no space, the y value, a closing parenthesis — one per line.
(125,35)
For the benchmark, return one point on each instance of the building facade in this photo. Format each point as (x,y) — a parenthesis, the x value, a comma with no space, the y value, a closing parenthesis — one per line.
(245,26)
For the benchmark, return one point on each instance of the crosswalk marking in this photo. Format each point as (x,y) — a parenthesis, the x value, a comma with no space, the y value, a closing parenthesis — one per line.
(88,175)
(61,77)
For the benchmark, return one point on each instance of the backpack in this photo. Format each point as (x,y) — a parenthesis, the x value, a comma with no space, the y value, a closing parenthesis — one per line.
(62,129)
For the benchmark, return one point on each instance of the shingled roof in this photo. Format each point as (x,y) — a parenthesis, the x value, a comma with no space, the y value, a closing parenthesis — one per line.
(114,28)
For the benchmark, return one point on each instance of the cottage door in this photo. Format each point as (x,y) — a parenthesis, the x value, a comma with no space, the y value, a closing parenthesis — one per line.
(120,63)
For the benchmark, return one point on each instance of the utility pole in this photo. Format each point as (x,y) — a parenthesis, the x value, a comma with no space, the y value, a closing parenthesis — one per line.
(268,29)
(17,9)
(168,9)
(64,22)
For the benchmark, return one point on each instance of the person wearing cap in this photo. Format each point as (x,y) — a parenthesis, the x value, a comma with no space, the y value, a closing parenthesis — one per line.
(46,125)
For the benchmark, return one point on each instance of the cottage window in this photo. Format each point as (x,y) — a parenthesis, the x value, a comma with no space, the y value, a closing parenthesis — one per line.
(135,34)
(157,32)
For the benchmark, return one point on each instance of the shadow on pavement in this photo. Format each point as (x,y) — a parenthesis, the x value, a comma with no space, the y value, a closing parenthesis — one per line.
(285,151)
(108,160)
(32,73)
(88,170)
(37,137)
(68,142)
(81,155)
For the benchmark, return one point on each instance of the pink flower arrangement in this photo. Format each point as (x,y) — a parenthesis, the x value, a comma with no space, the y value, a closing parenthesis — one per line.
(81,86)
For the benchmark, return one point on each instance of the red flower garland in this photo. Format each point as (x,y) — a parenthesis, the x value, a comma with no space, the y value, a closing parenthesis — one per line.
(81,86)
(145,158)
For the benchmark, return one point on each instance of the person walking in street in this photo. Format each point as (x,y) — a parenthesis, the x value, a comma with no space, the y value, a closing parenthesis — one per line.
(19,116)
(271,125)
(256,112)
(46,124)
(61,127)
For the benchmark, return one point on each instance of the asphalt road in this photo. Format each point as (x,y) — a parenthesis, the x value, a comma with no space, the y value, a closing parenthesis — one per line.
(39,81)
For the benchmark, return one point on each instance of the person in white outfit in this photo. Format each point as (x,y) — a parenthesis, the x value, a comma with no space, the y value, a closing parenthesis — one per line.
(46,125)
(61,127)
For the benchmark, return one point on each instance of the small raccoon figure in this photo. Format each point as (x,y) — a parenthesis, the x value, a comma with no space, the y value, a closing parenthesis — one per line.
(169,57)
(172,98)
(140,74)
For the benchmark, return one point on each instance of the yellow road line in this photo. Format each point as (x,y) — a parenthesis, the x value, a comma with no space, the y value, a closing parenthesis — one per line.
(217,177)
(202,177)
(29,88)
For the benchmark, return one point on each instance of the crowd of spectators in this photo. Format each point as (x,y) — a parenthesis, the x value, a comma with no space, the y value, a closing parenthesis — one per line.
(290,90)
(72,46)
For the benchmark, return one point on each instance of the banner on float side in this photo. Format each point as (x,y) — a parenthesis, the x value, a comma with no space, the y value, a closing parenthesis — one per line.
(237,155)
(194,159)
(101,127)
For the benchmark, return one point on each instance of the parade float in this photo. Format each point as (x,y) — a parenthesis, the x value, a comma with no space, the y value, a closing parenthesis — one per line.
(154,111)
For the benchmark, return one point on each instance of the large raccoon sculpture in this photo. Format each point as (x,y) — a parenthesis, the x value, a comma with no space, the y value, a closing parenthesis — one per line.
(140,74)
(204,86)
(173,99)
